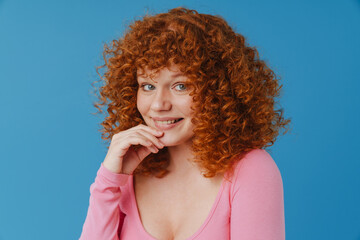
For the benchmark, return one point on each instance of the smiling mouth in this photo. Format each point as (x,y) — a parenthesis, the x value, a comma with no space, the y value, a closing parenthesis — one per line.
(168,122)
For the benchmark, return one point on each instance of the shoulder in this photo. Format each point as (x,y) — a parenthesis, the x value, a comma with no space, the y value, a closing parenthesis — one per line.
(257,198)
(258,160)
(257,169)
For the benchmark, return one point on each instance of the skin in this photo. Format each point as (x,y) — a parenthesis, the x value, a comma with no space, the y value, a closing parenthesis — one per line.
(175,206)
(166,95)
(161,201)
(163,95)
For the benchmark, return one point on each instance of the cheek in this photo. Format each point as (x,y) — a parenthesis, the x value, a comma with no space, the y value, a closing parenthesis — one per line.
(140,104)
(186,106)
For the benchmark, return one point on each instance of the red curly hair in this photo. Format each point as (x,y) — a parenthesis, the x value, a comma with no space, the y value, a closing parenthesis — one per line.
(233,90)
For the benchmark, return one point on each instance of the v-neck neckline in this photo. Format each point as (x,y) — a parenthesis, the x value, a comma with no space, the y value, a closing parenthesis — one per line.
(203,225)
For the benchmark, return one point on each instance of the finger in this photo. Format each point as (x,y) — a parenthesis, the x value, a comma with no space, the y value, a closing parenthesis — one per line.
(152,130)
(153,149)
(143,152)
(129,131)
(139,139)
(152,138)
(132,139)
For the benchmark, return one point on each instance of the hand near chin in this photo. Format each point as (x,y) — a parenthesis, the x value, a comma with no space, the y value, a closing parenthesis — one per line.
(122,157)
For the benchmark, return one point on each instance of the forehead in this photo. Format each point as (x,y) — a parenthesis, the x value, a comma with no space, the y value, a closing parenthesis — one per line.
(162,73)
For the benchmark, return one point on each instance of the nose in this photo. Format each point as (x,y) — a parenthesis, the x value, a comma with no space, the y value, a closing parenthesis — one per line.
(161,100)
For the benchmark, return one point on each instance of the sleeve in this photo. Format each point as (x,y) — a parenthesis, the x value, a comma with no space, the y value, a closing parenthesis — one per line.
(257,209)
(104,217)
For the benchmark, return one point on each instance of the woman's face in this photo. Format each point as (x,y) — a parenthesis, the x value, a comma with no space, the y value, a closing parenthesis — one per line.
(164,103)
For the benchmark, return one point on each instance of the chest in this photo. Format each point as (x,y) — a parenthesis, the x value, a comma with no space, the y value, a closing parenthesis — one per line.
(171,211)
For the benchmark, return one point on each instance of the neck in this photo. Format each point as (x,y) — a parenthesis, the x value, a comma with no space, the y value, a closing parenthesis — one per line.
(181,160)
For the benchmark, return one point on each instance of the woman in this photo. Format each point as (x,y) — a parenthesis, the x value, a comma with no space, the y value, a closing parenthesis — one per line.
(190,108)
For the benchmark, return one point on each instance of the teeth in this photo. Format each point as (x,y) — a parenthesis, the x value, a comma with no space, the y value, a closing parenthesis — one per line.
(166,122)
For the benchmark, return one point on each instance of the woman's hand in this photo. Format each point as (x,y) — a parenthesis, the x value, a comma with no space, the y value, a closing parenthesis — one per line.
(122,157)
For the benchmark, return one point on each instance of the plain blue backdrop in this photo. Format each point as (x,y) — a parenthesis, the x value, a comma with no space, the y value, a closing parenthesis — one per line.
(51,147)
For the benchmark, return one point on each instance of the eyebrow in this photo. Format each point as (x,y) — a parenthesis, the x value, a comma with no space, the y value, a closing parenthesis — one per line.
(173,75)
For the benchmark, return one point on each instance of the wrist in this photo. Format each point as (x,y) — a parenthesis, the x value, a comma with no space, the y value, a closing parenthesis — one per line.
(112,167)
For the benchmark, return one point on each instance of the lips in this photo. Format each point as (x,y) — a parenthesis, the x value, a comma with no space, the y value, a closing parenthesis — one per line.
(167,124)
(165,118)
(168,121)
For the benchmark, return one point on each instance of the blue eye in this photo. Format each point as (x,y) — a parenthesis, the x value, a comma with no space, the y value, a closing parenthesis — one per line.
(182,87)
(147,87)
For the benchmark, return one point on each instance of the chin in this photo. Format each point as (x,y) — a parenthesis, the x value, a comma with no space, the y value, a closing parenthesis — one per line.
(170,141)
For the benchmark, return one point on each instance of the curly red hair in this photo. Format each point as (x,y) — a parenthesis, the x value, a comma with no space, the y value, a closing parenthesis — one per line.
(233,90)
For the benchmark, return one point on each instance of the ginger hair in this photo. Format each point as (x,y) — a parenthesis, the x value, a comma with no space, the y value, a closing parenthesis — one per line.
(233,92)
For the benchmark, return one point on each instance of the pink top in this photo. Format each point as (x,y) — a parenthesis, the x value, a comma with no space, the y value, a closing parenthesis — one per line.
(249,207)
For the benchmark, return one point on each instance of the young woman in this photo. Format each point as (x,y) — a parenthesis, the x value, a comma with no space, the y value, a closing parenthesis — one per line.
(191,109)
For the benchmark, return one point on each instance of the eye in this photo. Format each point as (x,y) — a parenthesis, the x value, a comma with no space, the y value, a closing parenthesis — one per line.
(181,87)
(147,87)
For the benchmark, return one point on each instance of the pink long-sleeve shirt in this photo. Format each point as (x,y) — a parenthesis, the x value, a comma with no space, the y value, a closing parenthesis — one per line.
(249,207)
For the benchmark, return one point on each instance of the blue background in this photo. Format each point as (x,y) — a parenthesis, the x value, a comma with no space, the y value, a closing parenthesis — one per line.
(51,148)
